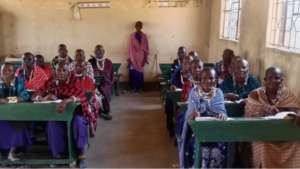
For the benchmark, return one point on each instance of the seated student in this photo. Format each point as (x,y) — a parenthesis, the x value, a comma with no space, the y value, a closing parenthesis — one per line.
(196,68)
(240,84)
(12,134)
(184,74)
(177,62)
(173,79)
(268,101)
(193,54)
(39,61)
(87,83)
(62,56)
(223,67)
(204,101)
(181,77)
(104,67)
(33,76)
(80,56)
(67,87)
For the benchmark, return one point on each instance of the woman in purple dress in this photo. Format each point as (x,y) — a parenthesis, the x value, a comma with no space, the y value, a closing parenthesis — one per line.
(67,87)
(12,134)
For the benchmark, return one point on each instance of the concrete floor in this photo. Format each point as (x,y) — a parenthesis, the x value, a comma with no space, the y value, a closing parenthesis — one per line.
(136,137)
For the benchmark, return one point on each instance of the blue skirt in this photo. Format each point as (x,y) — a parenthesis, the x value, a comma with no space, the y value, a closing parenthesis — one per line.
(136,79)
(9,138)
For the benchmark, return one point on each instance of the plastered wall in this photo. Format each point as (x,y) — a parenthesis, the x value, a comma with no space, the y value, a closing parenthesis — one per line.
(252,43)
(39,26)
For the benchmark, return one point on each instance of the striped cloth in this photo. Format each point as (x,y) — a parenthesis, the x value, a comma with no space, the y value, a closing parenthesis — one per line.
(273,154)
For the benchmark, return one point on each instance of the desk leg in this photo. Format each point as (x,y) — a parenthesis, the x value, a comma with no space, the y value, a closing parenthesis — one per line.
(175,123)
(197,161)
(70,141)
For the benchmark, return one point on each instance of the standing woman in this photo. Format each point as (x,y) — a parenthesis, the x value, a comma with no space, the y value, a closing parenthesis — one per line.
(137,57)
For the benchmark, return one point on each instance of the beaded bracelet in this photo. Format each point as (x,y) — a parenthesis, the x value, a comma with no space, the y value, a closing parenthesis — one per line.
(12,99)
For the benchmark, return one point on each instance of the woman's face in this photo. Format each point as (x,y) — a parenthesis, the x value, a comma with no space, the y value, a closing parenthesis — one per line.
(79,56)
(273,79)
(241,68)
(62,51)
(27,60)
(62,72)
(138,26)
(79,67)
(7,72)
(196,69)
(186,65)
(208,80)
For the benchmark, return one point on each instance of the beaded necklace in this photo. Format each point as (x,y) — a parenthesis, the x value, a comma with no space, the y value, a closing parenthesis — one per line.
(207,97)
(100,67)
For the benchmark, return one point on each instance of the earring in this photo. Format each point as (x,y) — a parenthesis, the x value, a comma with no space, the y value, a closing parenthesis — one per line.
(234,80)
(246,80)
(69,77)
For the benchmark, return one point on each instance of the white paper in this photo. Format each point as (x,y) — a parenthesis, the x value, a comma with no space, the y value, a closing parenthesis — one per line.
(280,115)
(227,101)
(47,102)
(179,89)
(211,119)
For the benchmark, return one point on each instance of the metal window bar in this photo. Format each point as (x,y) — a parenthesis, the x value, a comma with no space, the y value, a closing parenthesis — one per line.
(285,24)
(230,19)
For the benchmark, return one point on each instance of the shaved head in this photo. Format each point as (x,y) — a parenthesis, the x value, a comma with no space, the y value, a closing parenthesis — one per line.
(7,64)
(193,54)
(241,61)
(273,69)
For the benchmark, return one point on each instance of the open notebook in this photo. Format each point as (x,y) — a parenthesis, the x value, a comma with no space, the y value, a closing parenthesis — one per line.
(47,102)
(280,115)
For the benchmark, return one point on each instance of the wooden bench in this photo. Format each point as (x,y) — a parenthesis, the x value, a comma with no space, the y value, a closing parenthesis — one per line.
(41,112)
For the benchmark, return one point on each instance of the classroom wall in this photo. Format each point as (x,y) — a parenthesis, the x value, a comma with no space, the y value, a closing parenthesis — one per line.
(39,26)
(252,43)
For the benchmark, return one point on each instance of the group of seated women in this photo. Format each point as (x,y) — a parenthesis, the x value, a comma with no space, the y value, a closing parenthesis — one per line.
(205,90)
(68,82)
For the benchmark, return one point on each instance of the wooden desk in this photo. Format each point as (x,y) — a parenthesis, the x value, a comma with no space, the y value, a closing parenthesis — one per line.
(117,77)
(232,109)
(242,130)
(40,112)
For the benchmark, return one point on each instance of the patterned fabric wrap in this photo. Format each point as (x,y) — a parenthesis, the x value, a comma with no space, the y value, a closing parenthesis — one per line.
(56,59)
(273,154)
(222,69)
(73,88)
(88,69)
(38,79)
(48,70)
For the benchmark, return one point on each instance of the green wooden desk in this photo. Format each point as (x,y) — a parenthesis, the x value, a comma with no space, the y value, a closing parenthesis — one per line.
(40,112)
(242,130)
(183,106)
(175,96)
(87,94)
(117,77)
(211,65)
(232,109)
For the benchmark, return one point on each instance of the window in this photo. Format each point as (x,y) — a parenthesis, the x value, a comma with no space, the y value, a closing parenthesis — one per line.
(285,24)
(230,19)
